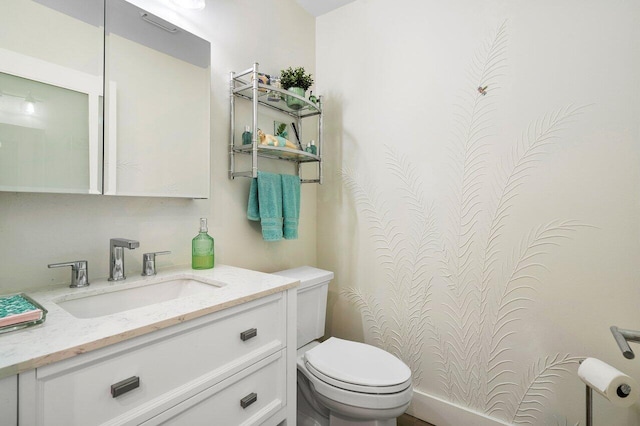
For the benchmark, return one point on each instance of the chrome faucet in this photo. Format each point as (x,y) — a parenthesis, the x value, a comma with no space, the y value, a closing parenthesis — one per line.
(116,257)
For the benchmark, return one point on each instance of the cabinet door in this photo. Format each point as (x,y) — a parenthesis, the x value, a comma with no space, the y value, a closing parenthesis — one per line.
(51,67)
(250,397)
(9,401)
(156,106)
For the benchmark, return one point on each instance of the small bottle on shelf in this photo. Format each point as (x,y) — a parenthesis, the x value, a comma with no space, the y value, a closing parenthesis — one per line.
(273,95)
(313,98)
(202,256)
(246,136)
(313,147)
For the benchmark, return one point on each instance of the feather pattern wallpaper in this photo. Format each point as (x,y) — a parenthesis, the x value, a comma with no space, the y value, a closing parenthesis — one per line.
(475,243)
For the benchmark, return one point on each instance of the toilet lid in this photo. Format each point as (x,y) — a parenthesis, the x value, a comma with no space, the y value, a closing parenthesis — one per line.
(357,363)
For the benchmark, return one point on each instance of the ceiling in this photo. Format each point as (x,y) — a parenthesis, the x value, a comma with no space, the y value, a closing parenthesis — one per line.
(320,7)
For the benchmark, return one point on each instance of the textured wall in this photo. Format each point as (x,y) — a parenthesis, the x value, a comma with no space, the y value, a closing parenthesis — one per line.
(37,229)
(481,211)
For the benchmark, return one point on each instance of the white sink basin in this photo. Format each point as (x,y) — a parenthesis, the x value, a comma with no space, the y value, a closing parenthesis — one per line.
(125,299)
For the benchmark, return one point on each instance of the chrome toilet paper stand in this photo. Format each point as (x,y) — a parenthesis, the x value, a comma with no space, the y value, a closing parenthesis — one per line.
(588,402)
(589,405)
(623,390)
(622,337)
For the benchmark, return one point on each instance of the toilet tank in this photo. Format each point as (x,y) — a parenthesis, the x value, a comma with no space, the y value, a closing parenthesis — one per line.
(312,301)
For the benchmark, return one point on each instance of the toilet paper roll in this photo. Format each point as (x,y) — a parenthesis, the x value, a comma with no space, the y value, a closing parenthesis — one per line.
(614,385)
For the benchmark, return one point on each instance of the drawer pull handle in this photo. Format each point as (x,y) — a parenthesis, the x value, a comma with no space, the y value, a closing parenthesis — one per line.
(250,333)
(249,399)
(124,386)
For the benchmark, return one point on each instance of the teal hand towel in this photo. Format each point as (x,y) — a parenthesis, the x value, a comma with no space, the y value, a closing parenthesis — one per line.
(291,205)
(265,204)
(253,209)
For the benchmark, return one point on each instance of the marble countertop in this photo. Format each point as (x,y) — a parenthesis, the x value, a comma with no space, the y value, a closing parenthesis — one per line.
(63,336)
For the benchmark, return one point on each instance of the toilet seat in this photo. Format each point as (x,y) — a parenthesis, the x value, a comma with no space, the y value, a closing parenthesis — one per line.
(375,390)
(357,367)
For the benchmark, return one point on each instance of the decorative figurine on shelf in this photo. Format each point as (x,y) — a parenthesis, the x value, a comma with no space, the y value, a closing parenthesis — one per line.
(274,140)
(262,79)
(313,98)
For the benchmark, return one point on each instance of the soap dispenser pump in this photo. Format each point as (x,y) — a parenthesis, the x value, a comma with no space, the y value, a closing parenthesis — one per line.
(202,248)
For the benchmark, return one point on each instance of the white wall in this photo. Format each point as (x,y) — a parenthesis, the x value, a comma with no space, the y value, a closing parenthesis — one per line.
(489,241)
(37,229)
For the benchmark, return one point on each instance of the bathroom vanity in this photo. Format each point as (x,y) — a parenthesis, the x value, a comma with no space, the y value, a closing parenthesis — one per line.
(222,356)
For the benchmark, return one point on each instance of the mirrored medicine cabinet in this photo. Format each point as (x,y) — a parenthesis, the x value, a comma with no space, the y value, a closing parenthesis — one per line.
(96,99)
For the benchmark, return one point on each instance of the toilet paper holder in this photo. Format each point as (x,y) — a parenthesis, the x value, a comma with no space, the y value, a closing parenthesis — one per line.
(623,337)
(589,403)
(623,390)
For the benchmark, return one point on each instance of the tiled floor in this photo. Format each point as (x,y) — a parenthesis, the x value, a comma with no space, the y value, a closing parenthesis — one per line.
(407,420)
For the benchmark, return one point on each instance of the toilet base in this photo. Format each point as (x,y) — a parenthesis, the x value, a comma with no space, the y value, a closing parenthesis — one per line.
(338,421)
(311,413)
(306,414)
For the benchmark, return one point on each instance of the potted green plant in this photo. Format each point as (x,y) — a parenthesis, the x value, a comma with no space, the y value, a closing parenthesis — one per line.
(296,81)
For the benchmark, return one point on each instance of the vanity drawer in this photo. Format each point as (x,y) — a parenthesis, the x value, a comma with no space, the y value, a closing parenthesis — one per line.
(182,362)
(247,398)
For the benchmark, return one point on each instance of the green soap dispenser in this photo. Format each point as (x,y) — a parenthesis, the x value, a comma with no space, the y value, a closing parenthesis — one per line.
(202,248)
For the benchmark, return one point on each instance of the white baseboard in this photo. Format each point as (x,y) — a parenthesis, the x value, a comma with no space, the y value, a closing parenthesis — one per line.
(444,413)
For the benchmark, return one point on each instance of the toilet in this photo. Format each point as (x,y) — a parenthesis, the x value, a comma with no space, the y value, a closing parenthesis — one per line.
(341,382)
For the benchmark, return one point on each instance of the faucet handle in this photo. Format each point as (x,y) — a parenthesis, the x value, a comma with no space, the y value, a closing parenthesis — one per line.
(149,262)
(79,272)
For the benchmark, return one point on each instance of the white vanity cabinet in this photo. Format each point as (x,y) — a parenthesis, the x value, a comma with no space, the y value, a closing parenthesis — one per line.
(232,367)
(9,400)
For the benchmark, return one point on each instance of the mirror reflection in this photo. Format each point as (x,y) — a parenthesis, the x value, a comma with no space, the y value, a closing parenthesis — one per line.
(51,63)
